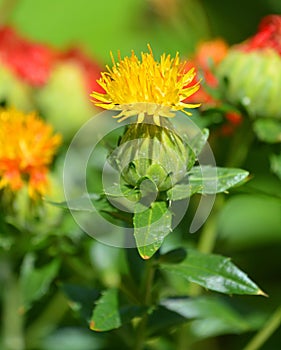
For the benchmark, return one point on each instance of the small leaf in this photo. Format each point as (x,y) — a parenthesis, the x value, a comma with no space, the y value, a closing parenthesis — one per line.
(214,272)
(106,313)
(151,226)
(214,179)
(268,130)
(183,191)
(109,314)
(36,282)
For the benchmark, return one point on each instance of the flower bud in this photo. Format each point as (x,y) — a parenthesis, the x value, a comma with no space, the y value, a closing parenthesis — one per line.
(253,80)
(149,151)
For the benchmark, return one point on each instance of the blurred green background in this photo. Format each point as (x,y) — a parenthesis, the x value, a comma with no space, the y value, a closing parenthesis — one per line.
(168,25)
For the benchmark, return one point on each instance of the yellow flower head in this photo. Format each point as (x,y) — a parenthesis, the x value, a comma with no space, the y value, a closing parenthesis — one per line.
(27,146)
(146,87)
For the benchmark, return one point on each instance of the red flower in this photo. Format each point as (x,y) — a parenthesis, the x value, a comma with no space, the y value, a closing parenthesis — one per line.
(31,62)
(268,35)
(233,119)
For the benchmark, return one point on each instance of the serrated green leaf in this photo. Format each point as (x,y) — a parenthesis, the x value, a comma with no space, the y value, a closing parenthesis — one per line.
(215,179)
(268,130)
(151,226)
(35,282)
(213,272)
(106,313)
(109,314)
(183,191)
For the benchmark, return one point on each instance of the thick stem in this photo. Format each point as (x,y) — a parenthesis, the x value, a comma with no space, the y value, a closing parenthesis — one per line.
(13,320)
(208,237)
(264,334)
(240,145)
(47,320)
(147,294)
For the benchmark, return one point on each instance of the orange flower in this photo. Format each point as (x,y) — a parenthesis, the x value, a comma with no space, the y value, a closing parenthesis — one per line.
(211,52)
(27,146)
(207,56)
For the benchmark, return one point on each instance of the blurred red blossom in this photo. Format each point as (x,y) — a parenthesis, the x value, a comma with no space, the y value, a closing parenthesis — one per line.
(207,55)
(233,119)
(30,61)
(267,36)
(33,62)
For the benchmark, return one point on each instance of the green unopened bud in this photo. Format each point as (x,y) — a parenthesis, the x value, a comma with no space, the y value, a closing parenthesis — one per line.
(253,80)
(149,151)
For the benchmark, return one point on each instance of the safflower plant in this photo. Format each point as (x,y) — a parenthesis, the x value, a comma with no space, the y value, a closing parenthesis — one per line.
(153,291)
(158,163)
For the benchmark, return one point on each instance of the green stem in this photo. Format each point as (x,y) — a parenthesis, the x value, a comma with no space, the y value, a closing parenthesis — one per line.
(208,237)
(147,294)
(183,340)
(47,320)
(149,282)
(269,328)
(240,145)
(13,320)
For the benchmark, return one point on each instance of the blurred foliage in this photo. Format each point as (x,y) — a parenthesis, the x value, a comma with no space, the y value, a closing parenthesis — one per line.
(130,24)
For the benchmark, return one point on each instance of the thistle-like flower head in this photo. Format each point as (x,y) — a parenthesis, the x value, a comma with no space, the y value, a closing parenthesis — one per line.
(146,87)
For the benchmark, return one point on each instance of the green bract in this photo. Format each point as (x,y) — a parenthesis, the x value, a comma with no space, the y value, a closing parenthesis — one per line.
(157,153)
